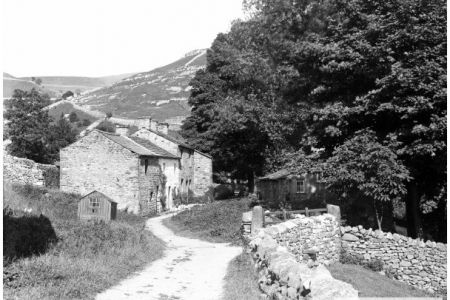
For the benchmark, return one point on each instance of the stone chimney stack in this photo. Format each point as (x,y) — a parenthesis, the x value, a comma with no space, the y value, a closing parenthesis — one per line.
(153,125)
(122,130)
(163,128)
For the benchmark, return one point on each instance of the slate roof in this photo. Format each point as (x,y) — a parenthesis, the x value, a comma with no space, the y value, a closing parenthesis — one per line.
(152,147)
(170,138)
(133,146)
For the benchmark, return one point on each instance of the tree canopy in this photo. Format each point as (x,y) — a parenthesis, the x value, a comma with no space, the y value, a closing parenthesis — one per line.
(365,81)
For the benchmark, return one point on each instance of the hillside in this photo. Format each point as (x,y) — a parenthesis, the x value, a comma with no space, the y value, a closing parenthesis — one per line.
(10,83)
(160,93)
(57,85)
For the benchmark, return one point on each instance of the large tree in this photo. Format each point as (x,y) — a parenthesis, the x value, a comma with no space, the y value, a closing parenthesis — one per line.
(28,125)
(302,74)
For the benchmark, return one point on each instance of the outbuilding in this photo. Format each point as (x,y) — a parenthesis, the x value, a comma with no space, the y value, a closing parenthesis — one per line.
(97,206)
(285,187)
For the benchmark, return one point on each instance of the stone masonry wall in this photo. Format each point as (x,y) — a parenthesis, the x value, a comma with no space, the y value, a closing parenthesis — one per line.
(151,186)
(423,265)
(25,171)
(97,163)
(283,276)
(318,233)
(202,175)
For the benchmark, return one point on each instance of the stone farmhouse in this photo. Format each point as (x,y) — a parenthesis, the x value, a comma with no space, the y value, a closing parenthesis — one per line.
(144,173)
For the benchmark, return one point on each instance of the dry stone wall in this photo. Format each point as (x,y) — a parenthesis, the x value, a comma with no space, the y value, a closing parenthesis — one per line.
(282,276)
(420,264)
(25,171)
(320,234)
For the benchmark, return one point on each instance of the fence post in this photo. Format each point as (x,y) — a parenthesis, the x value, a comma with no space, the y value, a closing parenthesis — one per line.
(284,214)
(306,212)
(257,218)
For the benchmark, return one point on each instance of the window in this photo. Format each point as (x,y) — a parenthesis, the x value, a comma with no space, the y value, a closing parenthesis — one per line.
(146,165)
(300,185)
(94,205)
(174,168)
(164,166)
(149,201)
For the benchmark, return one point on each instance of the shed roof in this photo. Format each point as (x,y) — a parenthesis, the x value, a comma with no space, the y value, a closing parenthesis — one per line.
(101,194)
(144,150)
(283,173)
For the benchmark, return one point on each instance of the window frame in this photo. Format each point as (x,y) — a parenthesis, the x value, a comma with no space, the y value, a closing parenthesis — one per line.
(300,188)
(94,205)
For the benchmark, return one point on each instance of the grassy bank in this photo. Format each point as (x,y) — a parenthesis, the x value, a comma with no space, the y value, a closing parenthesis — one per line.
(373,284)
(220,221)
(55,256)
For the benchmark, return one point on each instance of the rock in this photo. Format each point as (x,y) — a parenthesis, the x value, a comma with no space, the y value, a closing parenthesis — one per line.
(247,216)
(350,237)
(405,264)
(257,218)
(292,293)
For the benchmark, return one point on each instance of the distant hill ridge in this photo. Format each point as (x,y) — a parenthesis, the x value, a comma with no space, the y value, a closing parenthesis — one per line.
(161,93)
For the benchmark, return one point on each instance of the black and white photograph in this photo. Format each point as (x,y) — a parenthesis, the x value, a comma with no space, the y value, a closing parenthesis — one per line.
(224,149)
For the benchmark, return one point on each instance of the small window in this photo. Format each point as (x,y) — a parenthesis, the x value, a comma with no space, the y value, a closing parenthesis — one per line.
(146,165)
(94,205)
(164,166)
(300,185)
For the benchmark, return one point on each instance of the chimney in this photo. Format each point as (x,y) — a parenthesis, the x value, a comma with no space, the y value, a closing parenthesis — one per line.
(163,128)
(122,130)
(153,125)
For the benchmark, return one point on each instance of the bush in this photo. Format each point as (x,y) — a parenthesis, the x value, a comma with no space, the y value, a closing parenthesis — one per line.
(374,264)
(106,126)
(86,122)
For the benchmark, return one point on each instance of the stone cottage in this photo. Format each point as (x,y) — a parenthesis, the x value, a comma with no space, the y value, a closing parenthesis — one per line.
(195,178)
(140,176)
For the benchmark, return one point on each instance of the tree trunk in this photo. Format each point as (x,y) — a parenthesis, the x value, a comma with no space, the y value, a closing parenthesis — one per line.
(414,223)
(251,182)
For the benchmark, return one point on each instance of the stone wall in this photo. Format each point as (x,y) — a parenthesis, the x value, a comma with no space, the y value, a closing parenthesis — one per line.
(97,163)
(423,265)
(151,187)
(202,186)
(319,234)
(283,276)
(25,171)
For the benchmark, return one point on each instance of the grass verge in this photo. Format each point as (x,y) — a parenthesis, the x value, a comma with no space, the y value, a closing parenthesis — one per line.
(373,284)
(217,222)
(80,259)
(241,279)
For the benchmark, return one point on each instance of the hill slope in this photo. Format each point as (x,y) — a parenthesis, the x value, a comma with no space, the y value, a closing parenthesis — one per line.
(57,85)
(161,93)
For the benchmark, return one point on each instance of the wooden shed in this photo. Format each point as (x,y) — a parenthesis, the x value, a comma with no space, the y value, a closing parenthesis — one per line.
(97,206)
(286,187)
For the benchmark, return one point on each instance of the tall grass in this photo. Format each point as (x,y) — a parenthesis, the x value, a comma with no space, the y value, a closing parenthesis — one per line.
(219,221)
(86,257)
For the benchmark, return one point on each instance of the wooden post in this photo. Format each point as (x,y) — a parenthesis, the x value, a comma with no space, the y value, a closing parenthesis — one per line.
(257,218)
(306,212)
(284,214)
(335,211)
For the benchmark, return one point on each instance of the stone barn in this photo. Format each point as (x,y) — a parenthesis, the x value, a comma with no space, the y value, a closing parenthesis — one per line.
(294,189)
(133,172)
(97,206)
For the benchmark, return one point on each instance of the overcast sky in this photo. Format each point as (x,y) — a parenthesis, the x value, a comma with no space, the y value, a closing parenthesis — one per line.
(107,37)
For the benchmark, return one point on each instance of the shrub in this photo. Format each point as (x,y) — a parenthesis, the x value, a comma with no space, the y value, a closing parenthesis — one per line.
(106,126)
(357,259)
(86,122)
(374,264)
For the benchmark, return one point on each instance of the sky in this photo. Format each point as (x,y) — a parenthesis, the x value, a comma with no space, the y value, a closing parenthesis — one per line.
(107,37)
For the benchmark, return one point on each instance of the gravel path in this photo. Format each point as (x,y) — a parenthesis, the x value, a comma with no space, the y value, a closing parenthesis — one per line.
(190,269)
